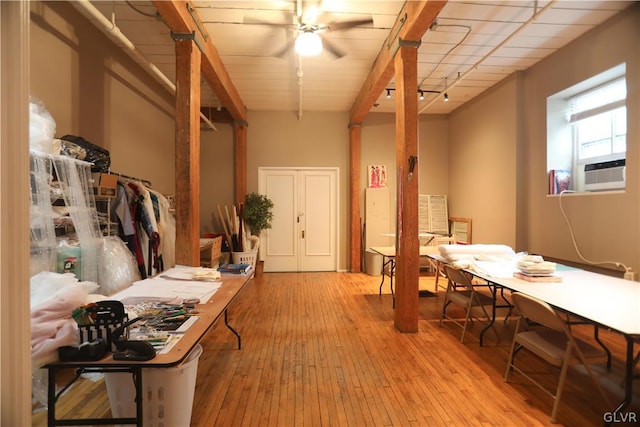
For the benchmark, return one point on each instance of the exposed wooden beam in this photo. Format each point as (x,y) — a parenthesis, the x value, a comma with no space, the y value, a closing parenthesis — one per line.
(407,243)
(412,22)
(181,17)
(188,59)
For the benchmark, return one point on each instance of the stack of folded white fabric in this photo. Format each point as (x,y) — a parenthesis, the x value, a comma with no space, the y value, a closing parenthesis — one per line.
(535,265)
(454,253)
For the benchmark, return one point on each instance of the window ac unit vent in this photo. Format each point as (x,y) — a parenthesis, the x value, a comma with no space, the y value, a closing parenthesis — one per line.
(605,176)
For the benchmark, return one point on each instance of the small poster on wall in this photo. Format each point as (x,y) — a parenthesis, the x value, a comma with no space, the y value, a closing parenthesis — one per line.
(377,176)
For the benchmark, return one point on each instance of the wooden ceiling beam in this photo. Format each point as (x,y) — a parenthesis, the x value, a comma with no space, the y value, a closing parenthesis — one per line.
(413,21)
(181,17)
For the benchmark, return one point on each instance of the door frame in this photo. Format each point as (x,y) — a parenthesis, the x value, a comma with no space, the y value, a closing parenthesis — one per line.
(263,169)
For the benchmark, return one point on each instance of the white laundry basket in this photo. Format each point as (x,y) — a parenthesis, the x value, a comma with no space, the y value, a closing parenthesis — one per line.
(167,393)
(245,258)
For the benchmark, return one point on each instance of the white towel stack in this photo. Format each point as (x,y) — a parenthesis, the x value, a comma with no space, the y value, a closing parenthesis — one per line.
(535,265)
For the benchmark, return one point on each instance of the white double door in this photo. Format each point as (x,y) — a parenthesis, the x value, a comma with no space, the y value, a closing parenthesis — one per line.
(304,231)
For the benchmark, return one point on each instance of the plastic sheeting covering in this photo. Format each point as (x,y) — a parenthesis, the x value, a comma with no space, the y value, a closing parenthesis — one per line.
(56,177)
(118,269)
(42,128)
(41,215)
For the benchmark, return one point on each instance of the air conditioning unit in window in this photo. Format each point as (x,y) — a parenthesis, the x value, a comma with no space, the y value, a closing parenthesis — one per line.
(605,176)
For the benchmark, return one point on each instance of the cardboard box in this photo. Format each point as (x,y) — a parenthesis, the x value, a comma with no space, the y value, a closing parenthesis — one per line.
(108,185)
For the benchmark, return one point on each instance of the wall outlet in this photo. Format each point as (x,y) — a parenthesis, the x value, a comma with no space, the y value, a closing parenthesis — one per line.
(629,275)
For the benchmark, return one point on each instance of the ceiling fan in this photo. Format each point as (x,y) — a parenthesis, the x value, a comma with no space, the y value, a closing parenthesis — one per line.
(308,40)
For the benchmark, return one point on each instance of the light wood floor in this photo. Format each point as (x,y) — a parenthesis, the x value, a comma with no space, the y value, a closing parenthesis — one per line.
(321,349)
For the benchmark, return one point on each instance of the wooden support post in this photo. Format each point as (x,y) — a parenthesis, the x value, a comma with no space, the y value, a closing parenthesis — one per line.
(355,132)
(407,242)
(240,161)
(188,59)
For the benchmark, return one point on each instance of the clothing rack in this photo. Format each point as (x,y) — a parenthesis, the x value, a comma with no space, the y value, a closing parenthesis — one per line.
(121,175)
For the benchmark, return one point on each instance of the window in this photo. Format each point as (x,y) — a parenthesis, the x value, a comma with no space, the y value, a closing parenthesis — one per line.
(599,121)
(587,125)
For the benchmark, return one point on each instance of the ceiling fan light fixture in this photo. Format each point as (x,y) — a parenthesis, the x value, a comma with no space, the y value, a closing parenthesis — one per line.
(308,43)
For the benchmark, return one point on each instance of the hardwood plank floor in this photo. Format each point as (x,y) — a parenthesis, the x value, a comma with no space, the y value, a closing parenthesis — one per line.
(321,349)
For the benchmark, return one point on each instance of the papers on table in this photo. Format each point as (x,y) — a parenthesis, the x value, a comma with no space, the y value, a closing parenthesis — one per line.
(176,286)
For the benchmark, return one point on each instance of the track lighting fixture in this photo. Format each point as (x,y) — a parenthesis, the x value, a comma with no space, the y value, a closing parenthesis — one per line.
(446,95)
(421,92)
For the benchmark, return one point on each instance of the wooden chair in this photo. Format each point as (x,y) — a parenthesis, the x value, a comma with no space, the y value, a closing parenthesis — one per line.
(550,338)
(462,291)
(216,252)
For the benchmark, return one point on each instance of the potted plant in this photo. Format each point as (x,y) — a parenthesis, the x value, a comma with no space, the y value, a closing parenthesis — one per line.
(258,214)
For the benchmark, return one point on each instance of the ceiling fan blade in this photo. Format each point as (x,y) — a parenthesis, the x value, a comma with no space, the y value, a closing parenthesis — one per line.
(345,25)
(332,48)
(257,21)
(281,53)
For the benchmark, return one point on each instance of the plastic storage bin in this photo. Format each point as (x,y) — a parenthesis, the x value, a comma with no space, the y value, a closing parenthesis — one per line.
(245,258)
(372,263)
(167,393)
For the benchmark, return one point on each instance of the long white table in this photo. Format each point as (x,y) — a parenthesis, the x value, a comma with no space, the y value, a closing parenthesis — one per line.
(602,300)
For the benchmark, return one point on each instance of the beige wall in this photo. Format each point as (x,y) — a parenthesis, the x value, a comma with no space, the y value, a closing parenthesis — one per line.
(216,175)
(275,139)
(497,157)
(433,153)
(317,140)
(606,226)
(94,90)
(482,160)
(379,148)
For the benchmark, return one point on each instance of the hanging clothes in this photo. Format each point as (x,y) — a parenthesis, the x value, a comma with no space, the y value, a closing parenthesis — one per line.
(166,228)
(121,211)
(146,220)
(146,225)
(134,206)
